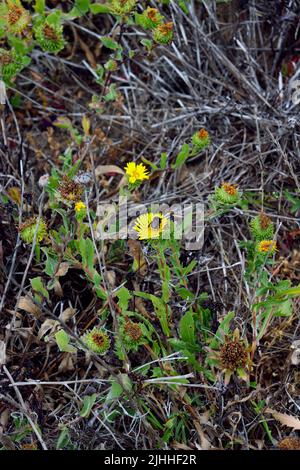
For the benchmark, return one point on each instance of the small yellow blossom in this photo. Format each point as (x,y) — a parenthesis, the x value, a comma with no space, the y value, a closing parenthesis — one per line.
(136,172)
(79,206)
(267,246)
(150,226)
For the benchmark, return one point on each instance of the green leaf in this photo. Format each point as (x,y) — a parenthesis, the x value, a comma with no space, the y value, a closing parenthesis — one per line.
(63,439)
(88,403)
(54,18)
(147,43)
(62,339)
(185,294)
(161,310)
(163,161)
(187,328)
(87,252)
(182,156)
(292,292)
(222,330)
(112,93)
(99,8)
(115,392)
(40,6)
(110,43)
(51,261)
(38,287)
(124,296)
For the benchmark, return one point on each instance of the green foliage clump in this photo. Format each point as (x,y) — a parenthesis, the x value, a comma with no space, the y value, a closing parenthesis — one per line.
(97,340)
(50,37)
(122,7)
(261,227)
(163,34)
(11,63)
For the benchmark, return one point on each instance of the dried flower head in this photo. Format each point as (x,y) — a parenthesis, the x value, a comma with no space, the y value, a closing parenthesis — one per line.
(261,227)
(267,246)
(70,190)
(233,354)
(201,139)
(97,340)
(28,229)
(150,226)
(163,34)
(17,17)
(133,331)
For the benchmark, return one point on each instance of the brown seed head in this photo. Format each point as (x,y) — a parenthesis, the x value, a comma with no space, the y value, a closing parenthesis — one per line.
(233,354)
(5,59)
(70,190)
(203,134)
(133,330)
(98,339)
(50,33)
(166,28)
(264,220)
(14,14)
(289,443)
(230,189)
(152,14)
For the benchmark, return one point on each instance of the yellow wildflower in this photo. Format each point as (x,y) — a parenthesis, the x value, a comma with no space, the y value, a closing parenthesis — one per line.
(136,172)
(79,206)
(267,246)
(150,226)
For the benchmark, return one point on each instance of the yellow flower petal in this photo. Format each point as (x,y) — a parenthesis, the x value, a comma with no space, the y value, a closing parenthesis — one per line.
(150,226)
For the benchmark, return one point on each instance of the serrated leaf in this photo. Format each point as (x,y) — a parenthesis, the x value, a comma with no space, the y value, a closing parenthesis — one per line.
(285,419)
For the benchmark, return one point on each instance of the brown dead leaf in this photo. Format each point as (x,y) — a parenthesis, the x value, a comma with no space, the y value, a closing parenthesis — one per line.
(14,194)
(67,314)
(136,252)
(49,326)
(88,53)
(110,276)
(204,442)
(67,363)
(285,419)
(25,303)
(110,170)
(63,269)
(57,288)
